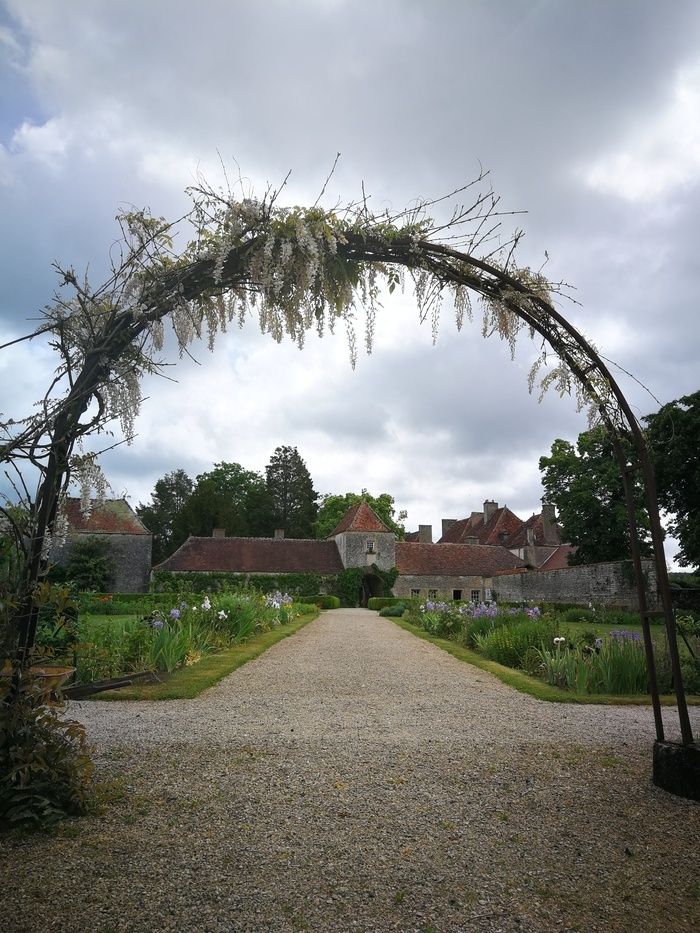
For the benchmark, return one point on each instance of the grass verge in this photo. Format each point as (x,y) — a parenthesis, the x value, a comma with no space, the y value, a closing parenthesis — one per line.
(531,685)
(189,682)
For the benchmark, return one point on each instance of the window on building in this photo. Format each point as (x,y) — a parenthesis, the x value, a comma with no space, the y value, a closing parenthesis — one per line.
(456,594)
(432,594)
(370,547)
(415,592)
(475,596)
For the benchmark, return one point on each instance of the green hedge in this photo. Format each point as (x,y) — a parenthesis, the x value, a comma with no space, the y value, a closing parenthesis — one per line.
(381,602)
(304,585)
(323,602)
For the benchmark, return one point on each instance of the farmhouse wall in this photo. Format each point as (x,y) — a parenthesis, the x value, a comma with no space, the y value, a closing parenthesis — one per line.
(606,584)
(352,547)
(131,555)
(445,585)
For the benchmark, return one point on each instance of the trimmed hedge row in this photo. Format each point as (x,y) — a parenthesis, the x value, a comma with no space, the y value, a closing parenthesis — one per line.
(381,602)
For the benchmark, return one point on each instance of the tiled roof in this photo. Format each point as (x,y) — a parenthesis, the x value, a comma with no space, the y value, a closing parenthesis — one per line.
(114,516)
(464,528)
(519,539)
(558,559)
(453,559)
(412,536)
(503,522)
(359,517)
(255,555)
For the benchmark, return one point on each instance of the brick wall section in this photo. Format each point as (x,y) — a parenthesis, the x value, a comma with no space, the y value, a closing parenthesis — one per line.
(605,584)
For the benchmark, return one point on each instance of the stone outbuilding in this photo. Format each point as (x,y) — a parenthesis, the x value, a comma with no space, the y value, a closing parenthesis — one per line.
(128,540)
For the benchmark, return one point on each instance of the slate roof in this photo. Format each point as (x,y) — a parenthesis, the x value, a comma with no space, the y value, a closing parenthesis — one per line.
(113,517)
(453,559)
(359,517)
(255,555)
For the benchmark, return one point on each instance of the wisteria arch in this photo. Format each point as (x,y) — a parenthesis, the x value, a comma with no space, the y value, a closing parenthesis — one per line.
(297,269)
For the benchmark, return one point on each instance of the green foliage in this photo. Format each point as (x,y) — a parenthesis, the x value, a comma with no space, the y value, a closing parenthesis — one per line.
(167,500)
(394,611)
(349,586)
(45,768)
(673,435)
(228,497)
(473,629)
(585,485)
(508,644)
(380,602)
(292,494)
(617,667)
(90,565)
(324,602)
(333,507)
(577,614)
(177,634)
(298,584)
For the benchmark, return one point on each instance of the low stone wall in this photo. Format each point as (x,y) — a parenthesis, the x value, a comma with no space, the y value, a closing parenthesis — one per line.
(606,584)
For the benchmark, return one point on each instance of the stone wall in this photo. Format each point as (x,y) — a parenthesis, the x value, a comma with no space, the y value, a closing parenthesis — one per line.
(444,585)
(352,547)
(605,584)
(131,555)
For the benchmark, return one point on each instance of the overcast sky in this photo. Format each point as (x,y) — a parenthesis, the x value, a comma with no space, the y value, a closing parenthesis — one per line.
(587,115)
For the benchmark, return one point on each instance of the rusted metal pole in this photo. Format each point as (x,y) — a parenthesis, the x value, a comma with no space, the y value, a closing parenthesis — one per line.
(643,604)
(665,593)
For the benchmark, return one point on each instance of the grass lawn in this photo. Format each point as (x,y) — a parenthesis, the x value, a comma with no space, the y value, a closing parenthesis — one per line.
(189,682)
(532,685)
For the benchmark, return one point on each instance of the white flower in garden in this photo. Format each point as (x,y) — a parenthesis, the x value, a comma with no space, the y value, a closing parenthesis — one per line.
(222,615)
(206,604)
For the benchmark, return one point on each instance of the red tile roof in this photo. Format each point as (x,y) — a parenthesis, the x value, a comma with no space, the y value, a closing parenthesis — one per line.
(519,539)
(255,555)
(499,529)
(359,517)
(114,516)
(453,559)
(559,559)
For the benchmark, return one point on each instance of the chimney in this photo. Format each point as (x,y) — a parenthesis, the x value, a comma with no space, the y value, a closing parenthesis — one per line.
(279,532)
(548,523)
(476,516)
(218,533)
(530,532)
(471,539)
(425,534)
(489,508)
(447,523)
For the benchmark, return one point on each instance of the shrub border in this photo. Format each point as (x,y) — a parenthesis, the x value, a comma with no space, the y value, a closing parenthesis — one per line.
(531,685)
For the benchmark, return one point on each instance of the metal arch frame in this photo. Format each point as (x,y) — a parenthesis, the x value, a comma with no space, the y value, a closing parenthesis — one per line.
(449,266)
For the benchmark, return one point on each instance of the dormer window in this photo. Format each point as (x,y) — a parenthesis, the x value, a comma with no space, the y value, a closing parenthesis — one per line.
(370,547)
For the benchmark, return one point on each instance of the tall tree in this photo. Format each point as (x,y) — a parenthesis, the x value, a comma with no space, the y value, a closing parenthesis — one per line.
(292,493)
(673,434)
(585,485)
(333,507)
(228,497)
(167,499)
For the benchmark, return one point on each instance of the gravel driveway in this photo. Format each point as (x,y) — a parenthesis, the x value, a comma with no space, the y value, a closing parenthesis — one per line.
(357,778)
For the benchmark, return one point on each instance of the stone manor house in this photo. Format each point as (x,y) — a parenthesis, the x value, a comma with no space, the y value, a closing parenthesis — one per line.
(490,554)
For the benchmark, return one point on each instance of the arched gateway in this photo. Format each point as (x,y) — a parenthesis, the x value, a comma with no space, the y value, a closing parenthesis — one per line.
(300,268)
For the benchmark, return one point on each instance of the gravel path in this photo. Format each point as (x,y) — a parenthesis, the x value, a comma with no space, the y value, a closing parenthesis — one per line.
(357,778)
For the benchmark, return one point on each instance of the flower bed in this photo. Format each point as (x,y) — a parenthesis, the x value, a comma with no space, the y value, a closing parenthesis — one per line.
(581,660)
(165,638)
